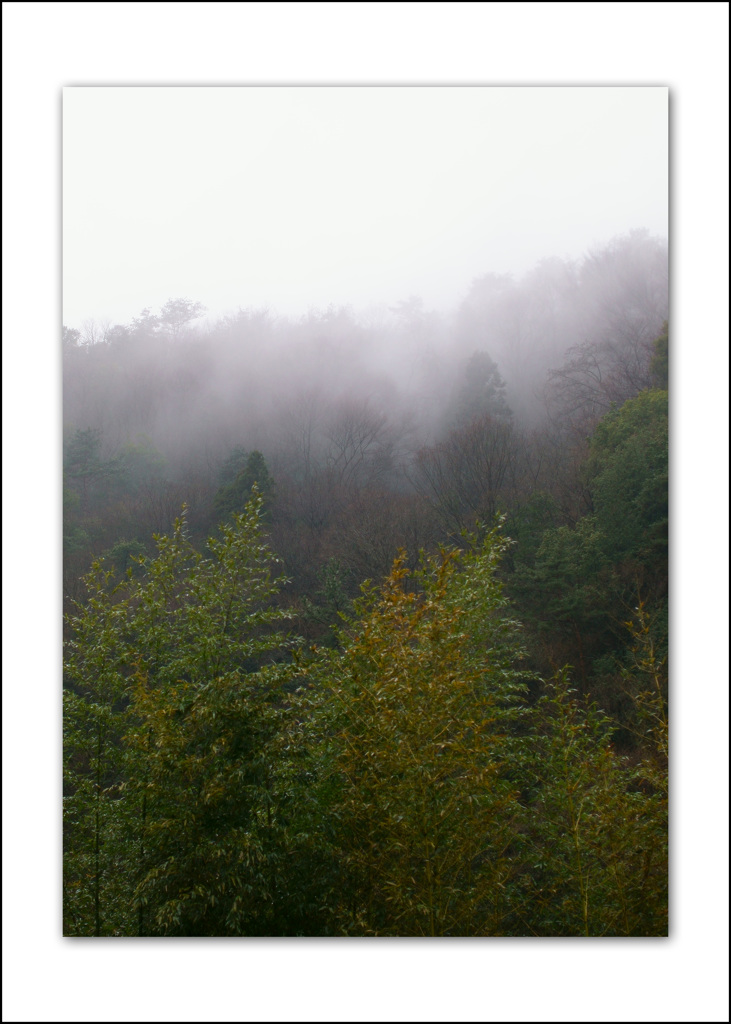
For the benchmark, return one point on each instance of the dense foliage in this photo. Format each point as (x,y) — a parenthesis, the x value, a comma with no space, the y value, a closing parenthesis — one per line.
(401,784)
(414,720)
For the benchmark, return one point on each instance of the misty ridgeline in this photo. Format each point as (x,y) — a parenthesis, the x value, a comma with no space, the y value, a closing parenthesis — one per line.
(402,445)
(370,411)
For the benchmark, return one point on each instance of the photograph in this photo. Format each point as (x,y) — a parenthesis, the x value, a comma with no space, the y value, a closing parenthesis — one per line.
(365,448)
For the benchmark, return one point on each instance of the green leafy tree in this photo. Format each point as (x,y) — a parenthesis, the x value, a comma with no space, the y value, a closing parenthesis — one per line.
(96,901)
(137,467)
(647,682)
(566,597)
(574,595)
(74,537)
(331,601)
(83,465)
(239,483)
(415,720)
(124,555)
(234,464)
(627,472)
(596,840)
(172,729)
(481,391)
(660,364)
(527,523)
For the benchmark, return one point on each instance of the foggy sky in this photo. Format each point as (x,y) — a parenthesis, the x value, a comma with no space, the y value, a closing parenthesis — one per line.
(294,198)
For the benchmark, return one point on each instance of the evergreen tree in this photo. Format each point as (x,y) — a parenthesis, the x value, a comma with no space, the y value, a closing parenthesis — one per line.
(238,482)
(173,713)
(481,391)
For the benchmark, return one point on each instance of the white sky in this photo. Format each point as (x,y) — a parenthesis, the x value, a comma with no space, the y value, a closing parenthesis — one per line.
(294,197)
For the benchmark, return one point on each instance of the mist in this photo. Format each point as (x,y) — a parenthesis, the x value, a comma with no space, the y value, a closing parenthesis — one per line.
(349,245)
(298,198)
(244,371)
(370,421)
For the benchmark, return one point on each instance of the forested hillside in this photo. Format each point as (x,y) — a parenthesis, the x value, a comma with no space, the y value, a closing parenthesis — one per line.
(366,616)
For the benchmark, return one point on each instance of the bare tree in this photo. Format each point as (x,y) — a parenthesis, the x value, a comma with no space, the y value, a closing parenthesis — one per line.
(360,444)
(623,306)
(467,476)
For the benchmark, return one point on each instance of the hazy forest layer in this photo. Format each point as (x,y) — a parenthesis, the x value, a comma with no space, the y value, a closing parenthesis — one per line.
(260,742)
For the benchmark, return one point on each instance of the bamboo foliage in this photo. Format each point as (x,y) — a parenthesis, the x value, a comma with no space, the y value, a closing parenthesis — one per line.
(420,707)
(170,716)
(220,782)
(597,836)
